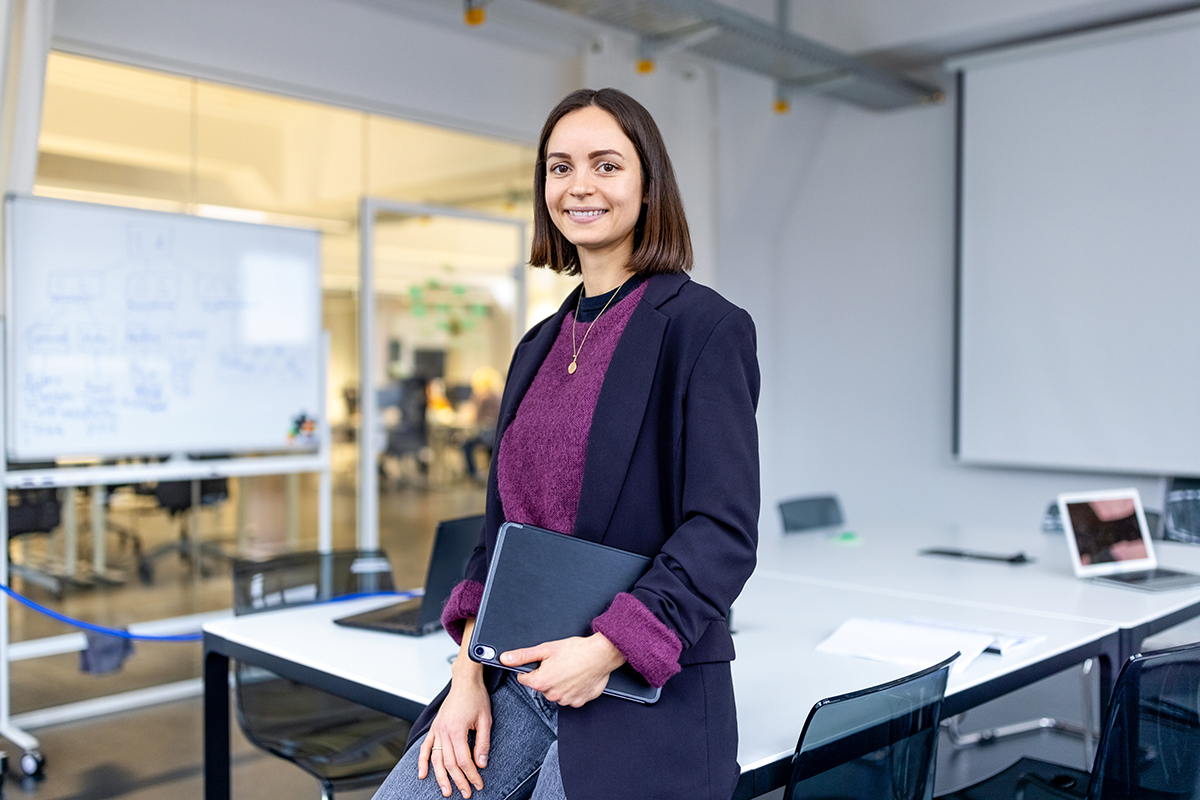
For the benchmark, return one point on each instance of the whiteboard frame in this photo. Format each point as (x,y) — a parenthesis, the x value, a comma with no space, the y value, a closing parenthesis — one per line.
(10,411)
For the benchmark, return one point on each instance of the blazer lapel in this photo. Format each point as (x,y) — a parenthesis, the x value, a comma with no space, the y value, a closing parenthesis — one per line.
(621,408)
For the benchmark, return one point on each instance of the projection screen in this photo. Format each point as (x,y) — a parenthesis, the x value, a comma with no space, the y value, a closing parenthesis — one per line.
(1079,252)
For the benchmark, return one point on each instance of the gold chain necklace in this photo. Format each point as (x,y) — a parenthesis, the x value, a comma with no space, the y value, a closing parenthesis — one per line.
(575,351)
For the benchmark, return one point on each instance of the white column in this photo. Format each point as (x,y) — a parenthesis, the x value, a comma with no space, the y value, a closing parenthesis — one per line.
(368,475)
(26,46)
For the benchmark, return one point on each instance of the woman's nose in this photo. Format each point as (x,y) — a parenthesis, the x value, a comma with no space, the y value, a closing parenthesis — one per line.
(581,186)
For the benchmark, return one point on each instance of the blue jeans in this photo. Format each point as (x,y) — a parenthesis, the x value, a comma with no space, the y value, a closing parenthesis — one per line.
(523,755)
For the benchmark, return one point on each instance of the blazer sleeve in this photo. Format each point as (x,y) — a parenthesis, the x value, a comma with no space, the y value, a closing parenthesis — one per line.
(703,565)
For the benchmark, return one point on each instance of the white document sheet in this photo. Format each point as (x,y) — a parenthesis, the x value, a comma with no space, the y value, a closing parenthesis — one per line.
(908,643)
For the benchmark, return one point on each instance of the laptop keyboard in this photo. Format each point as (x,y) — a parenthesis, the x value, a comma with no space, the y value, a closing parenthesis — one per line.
(1146,575)
(405,617)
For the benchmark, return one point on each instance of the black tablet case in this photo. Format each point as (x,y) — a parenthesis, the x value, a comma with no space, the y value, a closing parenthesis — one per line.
(544,586)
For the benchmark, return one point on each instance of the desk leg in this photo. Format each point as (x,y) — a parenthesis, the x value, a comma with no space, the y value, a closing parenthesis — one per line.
(70,526)
(1112,658)
(216,727)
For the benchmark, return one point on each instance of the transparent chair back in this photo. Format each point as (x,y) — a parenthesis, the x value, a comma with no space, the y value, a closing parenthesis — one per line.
(876,744)
(1151,742)
(298,579)
(1181,516)
(805,513)
(339,742)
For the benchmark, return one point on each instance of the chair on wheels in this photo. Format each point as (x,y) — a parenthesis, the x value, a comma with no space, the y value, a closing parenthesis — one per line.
(411,436)
(342,744)
(806,513)
(1149,746)
(874,744)
(33,511)
(176,498)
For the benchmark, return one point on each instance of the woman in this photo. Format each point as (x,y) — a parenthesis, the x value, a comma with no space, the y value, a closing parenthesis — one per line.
(627,419)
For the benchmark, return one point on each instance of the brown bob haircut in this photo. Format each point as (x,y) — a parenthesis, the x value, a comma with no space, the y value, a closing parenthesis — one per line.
(661,242)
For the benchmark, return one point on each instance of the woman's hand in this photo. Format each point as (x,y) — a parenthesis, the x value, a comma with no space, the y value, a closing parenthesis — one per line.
(467,708)
(572,671)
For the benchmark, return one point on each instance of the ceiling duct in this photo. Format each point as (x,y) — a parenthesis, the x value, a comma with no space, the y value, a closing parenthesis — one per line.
(710,29)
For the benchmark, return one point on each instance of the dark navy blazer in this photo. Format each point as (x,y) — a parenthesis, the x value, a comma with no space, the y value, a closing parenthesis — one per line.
(671,472)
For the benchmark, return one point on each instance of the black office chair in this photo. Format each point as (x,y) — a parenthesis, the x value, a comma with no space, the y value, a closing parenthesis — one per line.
(1149,746)
(806,513)
(1181,515)
(175,497)
(33,512)
(342,744)
(875,744)
(411,436)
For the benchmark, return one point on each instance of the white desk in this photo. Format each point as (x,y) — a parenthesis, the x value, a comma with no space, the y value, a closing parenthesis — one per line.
(885,560)
(778,675)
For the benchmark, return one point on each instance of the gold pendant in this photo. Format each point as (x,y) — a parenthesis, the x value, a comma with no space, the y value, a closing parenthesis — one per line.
(571,367)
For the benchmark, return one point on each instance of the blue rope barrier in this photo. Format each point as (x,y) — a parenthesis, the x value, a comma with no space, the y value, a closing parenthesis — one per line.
(178,637)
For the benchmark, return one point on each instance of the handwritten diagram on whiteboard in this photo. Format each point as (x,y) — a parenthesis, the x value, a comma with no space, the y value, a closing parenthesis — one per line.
(135,332)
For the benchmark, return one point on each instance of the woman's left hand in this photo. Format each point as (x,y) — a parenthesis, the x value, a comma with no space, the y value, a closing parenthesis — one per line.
(572,671)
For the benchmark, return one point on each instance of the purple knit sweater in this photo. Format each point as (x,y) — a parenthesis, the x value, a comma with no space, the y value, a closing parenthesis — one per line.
(540,475)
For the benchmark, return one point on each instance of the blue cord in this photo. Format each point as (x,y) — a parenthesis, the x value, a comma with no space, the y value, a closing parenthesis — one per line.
(178,637)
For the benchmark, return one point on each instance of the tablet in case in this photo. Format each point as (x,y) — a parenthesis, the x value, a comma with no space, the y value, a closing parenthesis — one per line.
(544,586)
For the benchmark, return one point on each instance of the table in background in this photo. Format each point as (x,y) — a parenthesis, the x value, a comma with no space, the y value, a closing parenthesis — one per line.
(778,675)
(886,560)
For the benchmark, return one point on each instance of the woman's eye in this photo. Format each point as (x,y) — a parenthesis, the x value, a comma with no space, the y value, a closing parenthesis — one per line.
(558,169)
(606,167)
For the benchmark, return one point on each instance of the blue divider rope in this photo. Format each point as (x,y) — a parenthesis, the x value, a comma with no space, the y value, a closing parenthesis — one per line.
(178,637)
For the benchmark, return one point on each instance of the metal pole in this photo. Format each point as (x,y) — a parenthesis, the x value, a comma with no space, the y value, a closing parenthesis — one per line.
(70,524)
(291,483)
(325,475)
(193,528)
(99,567)
(368,476)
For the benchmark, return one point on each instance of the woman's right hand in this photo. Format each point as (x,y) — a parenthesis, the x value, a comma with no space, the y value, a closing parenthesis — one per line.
(466,708)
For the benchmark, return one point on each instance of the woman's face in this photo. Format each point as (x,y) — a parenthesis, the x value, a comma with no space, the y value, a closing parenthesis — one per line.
(593,183)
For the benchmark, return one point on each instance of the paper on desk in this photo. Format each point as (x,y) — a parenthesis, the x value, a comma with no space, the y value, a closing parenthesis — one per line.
(902,642)
(1003,642)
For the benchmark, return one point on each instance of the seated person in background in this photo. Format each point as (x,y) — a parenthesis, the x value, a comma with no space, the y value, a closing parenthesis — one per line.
(485,399)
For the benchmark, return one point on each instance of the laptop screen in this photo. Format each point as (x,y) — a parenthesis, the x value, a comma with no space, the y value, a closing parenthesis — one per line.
(1106,532)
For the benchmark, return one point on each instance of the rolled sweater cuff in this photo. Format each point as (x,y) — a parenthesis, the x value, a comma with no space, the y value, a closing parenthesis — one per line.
(462,606)
(648,645)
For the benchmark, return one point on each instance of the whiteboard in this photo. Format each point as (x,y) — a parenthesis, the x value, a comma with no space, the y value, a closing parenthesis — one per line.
(137,332)
(1079,333)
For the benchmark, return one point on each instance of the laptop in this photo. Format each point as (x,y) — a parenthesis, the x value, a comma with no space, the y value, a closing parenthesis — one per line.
(544,586)
(452,548)
(1110,541)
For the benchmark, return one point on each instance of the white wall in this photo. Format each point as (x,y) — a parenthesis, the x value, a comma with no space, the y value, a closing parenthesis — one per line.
(858,313)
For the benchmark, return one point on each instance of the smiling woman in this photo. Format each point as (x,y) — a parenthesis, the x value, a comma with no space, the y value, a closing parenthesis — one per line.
(610,137)
(627,419)
(594,189)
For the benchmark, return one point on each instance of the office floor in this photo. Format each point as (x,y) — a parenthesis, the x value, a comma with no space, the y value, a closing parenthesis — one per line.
(155,753)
